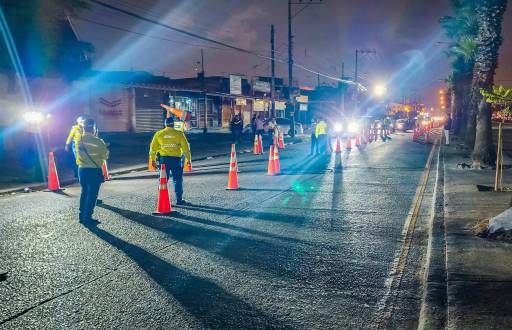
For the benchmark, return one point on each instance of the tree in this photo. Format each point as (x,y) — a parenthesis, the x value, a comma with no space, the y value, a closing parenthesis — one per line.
(490,16)
(43,37)
(462,28)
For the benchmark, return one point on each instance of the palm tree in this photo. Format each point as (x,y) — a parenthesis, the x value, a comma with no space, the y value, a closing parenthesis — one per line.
(490,16)
(462,28)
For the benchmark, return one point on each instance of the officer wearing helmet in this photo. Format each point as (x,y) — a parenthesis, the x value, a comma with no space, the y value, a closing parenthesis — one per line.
(73,138)
(171,144)
(91,152)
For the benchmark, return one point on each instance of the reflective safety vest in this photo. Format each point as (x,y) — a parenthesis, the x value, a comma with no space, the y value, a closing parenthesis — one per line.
(321,128)
(169,142)
(180,126)
(74,134)
(91,151)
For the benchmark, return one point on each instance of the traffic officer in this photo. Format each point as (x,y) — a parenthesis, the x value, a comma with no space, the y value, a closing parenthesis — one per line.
(72,139)
(91,152)
(171,144)
(321,137)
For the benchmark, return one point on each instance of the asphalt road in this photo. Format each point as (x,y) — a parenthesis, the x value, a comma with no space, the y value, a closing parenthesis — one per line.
(310,249)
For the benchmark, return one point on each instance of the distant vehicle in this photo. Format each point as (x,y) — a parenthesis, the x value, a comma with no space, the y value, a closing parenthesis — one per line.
(285,126)
(404,125)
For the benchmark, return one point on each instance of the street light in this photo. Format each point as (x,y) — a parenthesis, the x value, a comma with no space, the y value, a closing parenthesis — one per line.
(379,90)
(34,117)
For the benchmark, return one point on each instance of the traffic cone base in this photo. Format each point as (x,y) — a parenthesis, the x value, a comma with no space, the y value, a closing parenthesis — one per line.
(53,177)
(233,171)
(163,206)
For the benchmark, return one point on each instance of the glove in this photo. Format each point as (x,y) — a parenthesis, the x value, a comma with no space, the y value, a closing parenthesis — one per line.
(66,148)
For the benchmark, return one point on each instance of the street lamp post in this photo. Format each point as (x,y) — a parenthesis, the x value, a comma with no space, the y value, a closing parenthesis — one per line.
(291,100)
(356,71)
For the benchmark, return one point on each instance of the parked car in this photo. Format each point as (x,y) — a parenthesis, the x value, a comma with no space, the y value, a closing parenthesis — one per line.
(285,126)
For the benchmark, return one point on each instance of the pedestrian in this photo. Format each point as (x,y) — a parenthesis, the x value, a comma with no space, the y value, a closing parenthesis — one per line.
(91,153)
(272,129)
(237,126)
(314,144)
(72,139)
(447,128)
(321,137)
(260,123)
(171,144)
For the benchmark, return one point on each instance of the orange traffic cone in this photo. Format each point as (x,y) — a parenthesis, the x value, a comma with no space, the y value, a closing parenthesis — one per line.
(281,140)
(187,167)
(271,165)
(276,140)
(260,144)
(53,178)
(163,206)
(104,170)
(358,141)
(233,171)
(349,144)
(277,163)
(256,150)
(151,168)
(338,145)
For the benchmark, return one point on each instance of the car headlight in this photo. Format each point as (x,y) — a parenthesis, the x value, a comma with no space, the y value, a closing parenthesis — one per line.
(353,127)
(338,127)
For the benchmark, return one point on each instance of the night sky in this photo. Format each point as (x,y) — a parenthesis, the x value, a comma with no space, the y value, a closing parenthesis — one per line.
(404,33)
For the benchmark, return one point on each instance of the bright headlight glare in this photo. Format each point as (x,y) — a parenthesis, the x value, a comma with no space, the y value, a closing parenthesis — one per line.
(33,117)
(353,127)
(338,127)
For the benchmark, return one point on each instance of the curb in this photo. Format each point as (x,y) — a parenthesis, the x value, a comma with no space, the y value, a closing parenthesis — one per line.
(433,312)
(136,168)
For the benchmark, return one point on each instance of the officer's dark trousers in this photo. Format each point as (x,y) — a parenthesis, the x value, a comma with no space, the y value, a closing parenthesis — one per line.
(90,180)
(174,166)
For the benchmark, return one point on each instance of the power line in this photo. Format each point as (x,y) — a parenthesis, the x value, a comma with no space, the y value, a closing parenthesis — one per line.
(194,35)
(145,35)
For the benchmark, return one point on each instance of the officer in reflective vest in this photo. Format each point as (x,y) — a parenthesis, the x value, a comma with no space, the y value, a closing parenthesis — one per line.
(171,144)
(321,136)
(91,152)
(72,139)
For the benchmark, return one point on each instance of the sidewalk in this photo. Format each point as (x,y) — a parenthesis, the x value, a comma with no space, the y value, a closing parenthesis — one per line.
(128,152)
(479,271)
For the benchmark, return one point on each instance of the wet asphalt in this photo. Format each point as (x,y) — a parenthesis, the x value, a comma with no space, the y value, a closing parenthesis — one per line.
(309,249)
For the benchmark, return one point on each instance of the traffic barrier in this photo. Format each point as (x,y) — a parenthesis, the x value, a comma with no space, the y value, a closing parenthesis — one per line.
(260,144)
(233,170)
(151,167)
(271,164)
(281,140)
(338,145)
(104,170)
(349,144)
(53,177)
(255,149)
(187,166)
(163,205)
(277,163)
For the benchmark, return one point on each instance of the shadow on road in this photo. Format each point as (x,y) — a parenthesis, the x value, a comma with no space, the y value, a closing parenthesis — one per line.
(210,304)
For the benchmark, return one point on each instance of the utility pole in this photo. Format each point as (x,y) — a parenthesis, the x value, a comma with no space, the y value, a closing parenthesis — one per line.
(342,85)
(363,52)
(291,100)
(203,83)
(273,71)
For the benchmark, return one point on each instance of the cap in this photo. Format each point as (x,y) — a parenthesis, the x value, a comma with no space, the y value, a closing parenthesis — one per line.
(169,121)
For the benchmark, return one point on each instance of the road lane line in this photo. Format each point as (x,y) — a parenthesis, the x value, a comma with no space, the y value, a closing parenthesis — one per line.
(386,304)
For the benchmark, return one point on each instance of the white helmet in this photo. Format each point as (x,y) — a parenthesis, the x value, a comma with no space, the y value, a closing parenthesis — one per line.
(80,120)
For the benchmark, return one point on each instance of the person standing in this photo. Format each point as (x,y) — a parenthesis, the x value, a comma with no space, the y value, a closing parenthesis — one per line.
(171,144)
(236,128)
(314,144)
(272,129)
(321,137)
(260,123)
(72,139)
(91,152)
(447,128)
